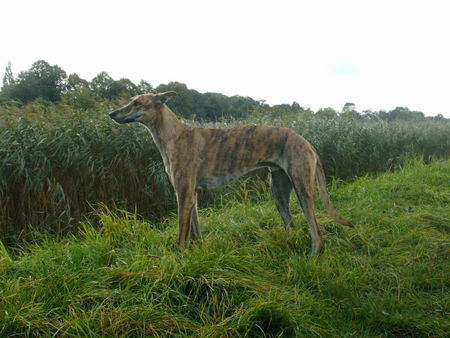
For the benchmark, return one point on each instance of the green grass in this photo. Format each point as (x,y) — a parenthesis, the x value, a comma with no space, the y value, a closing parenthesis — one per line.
(249,276)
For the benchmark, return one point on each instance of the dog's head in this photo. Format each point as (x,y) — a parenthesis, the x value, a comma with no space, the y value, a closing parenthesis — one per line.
(142,108)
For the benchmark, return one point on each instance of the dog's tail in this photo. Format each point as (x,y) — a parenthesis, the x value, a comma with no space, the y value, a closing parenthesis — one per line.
(320,176)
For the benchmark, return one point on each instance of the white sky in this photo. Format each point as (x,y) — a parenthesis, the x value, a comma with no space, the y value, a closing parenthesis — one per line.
(377,54)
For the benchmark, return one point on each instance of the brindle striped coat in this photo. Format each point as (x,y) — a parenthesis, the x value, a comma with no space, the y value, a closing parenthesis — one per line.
(205,158)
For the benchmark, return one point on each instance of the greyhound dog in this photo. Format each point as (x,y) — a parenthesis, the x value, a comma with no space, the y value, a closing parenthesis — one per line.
(205,158)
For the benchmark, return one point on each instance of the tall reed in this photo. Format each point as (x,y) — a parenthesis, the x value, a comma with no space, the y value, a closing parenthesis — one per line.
(56,161)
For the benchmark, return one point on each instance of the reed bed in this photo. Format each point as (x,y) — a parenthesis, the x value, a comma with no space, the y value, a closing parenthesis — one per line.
(56,161)
(56,165)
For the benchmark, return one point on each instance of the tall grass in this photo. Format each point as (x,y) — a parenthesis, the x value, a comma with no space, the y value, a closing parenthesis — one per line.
(57,161)
(249,276)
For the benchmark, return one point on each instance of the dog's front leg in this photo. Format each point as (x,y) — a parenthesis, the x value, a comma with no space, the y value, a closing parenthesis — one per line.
(186,204)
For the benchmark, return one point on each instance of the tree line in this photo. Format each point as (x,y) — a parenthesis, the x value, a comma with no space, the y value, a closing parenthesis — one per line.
(51,83)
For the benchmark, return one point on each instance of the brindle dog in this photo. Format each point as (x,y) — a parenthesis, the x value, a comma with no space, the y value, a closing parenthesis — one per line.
(205,158)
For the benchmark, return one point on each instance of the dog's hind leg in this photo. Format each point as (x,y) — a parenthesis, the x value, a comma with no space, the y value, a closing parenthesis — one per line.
(303,181)
(195,227)
(281,187)
(186,204)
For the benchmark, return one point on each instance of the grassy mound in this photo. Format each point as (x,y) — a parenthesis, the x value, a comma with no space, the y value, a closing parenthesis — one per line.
(249,276)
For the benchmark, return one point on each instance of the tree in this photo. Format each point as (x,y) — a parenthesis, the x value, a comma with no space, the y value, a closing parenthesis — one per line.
(82,98)
(326,112)
(8,83)
(405,113)
(185,103)
(296,108)
(351,114)
(8,79)
(124,85)
(348,107)
(41,80)
(439,117)
(101,85)
(382,114)
(108,88)
(50,79)
(144,87)
(74,81)
(243,106)
(281,108)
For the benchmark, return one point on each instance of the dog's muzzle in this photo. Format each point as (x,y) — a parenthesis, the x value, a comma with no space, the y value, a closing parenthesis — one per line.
(115,115)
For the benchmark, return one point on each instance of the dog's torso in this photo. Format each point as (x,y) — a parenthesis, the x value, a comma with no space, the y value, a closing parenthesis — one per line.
(219,156)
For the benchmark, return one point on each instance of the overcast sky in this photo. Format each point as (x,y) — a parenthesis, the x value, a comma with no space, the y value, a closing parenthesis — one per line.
(377,54)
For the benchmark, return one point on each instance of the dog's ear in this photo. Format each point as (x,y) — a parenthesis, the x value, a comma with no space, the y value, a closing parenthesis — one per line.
(163,97)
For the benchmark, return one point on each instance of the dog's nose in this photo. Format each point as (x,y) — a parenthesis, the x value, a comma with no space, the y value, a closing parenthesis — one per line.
(116,116)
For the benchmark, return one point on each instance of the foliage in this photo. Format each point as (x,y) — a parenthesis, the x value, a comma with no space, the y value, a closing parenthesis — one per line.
(208,106)
(144,87)
(8,78)
(41,81)
(249,276)
(57,160)
(81,98)
(104,86)
(74,82)
(348,107)
(399,113)
(286,108)
(327,113)
(50,83)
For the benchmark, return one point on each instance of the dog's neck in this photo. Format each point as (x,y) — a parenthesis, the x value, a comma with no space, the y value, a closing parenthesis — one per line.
(165,129)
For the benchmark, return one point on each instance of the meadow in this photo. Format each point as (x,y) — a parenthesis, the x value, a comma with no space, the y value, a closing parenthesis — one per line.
(249,276)
(59,162)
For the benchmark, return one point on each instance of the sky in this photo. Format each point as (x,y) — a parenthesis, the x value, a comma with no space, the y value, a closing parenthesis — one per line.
(322,53)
